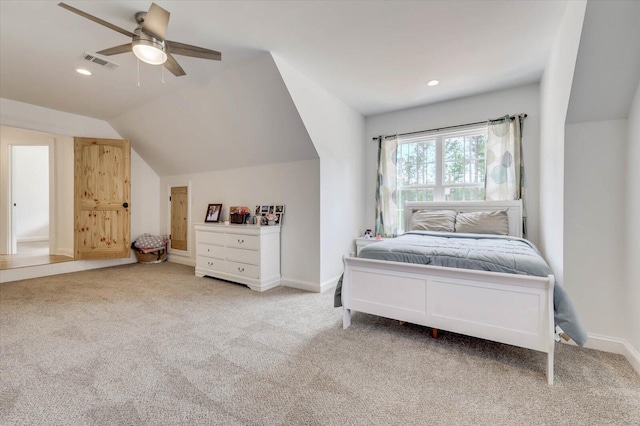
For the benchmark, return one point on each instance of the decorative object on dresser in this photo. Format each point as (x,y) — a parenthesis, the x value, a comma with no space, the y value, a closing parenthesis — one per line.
(213,213)
(245,254)
(239,215)
(274,210)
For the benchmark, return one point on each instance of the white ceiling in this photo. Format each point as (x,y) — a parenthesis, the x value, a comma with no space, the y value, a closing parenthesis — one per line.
(374,55)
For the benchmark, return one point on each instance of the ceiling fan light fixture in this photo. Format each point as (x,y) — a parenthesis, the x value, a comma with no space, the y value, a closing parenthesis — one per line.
(149,50)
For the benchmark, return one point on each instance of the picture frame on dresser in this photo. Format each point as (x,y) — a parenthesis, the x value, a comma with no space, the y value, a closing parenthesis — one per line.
(213,213)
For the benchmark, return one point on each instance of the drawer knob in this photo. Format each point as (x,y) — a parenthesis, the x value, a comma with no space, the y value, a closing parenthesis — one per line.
(240,241)
(240,269)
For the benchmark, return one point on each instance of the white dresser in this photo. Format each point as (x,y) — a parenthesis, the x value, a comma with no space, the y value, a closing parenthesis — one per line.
(246,254)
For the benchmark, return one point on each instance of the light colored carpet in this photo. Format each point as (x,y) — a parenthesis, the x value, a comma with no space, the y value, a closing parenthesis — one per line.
(153,344)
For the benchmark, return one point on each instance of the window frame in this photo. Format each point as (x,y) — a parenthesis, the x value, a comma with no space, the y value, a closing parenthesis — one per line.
(439,188)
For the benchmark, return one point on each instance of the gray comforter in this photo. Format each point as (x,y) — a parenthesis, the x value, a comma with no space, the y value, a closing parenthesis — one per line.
(480,252)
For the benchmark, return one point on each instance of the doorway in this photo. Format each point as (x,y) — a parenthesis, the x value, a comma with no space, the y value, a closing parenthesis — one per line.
(36,198)
(29,200)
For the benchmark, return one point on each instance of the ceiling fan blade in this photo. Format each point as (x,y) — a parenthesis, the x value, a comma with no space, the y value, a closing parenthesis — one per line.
(193,51)
(172,65)
(124,48)
(156,22)
(97,20)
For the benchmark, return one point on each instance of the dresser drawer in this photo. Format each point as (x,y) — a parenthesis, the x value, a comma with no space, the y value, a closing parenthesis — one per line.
(243,256)
(243,241)
(249,271)
(216,238)
(210,263)
(207,250)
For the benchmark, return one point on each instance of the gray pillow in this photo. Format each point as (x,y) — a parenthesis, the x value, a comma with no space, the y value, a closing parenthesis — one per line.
(433,220)
(494,222)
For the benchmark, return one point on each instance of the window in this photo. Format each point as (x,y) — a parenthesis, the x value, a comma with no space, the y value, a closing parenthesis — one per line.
(447,166)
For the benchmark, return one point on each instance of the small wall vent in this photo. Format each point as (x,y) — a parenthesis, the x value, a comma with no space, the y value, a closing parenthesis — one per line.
(99,60)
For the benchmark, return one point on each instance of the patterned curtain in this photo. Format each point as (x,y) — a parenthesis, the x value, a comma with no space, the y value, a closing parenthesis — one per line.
(386,197)
(503,160)
(505,169)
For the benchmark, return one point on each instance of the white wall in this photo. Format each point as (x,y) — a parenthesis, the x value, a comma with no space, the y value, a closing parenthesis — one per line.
(524,99)
(337,132)
(30,193)
(144,181)
(632,229)
(295,184)
(241,118)
(555,89)
(594,228)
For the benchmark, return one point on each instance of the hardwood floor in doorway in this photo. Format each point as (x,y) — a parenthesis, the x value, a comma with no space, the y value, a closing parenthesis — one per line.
(11,261)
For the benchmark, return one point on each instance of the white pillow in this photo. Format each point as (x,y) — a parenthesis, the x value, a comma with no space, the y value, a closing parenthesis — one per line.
(494,222)
(433,220)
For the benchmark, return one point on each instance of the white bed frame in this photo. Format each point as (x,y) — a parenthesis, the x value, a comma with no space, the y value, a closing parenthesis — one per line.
(506,308)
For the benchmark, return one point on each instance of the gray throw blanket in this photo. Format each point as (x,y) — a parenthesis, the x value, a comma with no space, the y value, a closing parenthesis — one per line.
(480,252)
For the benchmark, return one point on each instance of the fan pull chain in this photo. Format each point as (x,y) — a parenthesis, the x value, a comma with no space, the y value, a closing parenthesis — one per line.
(138,72)
(162,66)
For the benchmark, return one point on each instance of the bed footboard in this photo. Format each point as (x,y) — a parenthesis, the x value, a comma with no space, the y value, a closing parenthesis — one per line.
(506,308)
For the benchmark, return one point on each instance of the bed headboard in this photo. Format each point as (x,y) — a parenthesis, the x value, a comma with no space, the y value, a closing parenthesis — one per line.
(514,210)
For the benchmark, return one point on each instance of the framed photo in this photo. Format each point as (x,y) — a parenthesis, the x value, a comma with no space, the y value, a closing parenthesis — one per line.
(278,218)
(264,210)
(213,213)
(272,209)
(279,209)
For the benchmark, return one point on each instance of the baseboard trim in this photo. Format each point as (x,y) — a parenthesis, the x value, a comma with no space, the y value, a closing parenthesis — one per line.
(300,285)
(18,274)
(310,286)
(329,284)
(613,345)
(36,239)
(181,260)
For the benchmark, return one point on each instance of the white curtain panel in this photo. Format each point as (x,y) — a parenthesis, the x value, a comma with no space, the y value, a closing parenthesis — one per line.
(503,160)
(386,198)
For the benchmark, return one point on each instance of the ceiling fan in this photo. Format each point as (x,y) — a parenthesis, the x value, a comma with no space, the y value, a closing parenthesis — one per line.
(148,41)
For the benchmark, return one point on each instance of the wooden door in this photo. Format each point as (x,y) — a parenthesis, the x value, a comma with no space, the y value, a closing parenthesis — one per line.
(102,197)
(179,214)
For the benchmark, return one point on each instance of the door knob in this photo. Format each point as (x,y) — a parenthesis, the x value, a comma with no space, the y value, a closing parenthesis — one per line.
(125,205)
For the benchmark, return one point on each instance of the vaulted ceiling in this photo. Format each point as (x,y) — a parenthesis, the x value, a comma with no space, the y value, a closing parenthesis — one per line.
(375,56)
(608,64)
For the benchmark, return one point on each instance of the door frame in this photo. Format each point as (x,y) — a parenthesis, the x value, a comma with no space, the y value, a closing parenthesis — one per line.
(11,242)
(175,252)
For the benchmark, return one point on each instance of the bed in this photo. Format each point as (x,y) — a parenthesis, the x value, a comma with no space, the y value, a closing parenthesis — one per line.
(508,306)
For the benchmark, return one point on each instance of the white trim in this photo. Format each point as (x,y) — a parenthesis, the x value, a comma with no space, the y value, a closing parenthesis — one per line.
(633,356)
(612,345)
(174,258)
(310,286)
(26,273)
(329,284)
(300,285)
(36,239)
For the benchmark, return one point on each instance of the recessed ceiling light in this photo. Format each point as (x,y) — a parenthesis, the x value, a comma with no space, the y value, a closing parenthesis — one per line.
(83,71)
(433,83)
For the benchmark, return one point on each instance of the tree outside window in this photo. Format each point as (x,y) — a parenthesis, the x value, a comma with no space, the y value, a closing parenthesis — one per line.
(445,167)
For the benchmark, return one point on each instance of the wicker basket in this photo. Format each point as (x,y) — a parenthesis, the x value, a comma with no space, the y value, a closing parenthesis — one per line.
(238,218)
(156,256)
